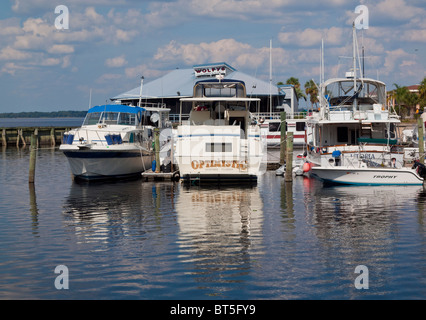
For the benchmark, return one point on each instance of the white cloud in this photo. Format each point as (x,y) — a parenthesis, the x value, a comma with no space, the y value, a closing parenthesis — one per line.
(10,53)
(397,59)
(116,62)
(12,67)
(61,49)
(312,37)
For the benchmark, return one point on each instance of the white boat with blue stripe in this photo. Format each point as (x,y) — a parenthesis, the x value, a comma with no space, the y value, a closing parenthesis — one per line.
(115,141)
(220,141)
(353,138)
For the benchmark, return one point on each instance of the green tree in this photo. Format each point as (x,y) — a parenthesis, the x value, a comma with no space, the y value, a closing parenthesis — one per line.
(405,100)
(312,90)
(295,82)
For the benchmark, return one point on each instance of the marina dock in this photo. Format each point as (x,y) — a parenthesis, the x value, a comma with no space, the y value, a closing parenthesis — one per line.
(21,136)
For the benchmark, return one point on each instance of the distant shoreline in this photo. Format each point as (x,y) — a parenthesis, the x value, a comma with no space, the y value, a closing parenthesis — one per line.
(38,114)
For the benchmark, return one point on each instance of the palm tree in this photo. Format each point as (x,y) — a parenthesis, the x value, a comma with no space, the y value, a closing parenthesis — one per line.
(405,99)
(312,90)
(295,82)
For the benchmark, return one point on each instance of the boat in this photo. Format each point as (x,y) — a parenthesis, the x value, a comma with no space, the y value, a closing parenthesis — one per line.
(353,139)
(270,125)
(220,141)
(114,142)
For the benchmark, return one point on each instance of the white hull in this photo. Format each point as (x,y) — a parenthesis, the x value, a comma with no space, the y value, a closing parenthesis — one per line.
(367,176)
(107,164)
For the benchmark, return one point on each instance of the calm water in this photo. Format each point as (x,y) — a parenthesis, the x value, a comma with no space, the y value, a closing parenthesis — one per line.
(162,240)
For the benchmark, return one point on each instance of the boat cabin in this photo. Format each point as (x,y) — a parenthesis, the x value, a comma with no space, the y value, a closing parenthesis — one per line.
(220,103)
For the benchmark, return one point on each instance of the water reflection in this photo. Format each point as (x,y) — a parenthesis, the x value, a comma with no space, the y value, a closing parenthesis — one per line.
(108,211)
(220,233)
(359,226)
(33,207)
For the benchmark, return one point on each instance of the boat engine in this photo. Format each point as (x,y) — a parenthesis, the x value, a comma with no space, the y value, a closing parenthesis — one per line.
(420,168)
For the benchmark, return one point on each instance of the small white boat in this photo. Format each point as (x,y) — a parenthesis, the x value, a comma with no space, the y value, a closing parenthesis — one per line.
(370,176)
(112,142)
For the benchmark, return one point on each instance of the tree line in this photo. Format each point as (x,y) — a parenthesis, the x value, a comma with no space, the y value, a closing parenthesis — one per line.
(406,102)
(39,114)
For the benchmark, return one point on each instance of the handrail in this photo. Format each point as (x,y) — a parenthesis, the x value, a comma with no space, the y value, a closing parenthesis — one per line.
(277,115)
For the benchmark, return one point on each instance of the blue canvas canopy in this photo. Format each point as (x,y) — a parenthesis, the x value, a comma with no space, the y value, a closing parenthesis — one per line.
(115,108)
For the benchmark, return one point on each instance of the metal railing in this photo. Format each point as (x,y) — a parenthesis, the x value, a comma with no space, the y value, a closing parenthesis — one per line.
(277,115)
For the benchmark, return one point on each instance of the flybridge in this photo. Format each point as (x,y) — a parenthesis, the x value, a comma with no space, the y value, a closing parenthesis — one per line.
(212,69)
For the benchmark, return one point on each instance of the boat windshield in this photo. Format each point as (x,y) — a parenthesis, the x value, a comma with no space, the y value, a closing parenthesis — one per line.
(342,93)
(112,118)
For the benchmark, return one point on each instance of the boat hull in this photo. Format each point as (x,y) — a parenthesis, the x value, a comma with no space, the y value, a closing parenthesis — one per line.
(367,176)
(102,165)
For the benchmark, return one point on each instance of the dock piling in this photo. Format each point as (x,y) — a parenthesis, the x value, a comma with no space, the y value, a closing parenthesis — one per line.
(289,158)
(3,138)
(157,149)
(33,156)
(283,133)
(420,127)
(52,137)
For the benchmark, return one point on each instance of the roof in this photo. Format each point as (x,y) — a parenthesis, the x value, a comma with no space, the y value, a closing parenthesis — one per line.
(115,108)
(180,83)
(367,80)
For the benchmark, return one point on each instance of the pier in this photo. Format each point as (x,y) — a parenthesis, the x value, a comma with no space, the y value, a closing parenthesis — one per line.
(21,136)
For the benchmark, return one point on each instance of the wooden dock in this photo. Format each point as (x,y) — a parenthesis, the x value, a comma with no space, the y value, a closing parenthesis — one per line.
(21,136)
(150,175)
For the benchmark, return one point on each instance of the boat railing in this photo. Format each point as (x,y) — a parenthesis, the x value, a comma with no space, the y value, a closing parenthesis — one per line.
(176,117)
(277,115)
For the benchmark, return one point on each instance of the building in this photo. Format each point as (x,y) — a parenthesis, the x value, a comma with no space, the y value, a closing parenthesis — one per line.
(179,83)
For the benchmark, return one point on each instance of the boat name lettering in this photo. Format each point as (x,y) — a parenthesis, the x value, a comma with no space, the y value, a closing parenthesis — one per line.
(363,156)
(384,177)
(200,164)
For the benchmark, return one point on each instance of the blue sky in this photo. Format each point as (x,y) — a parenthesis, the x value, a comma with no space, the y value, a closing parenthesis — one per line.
(111,43)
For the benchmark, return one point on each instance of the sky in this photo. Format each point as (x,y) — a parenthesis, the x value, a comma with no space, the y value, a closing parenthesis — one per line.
(110,44)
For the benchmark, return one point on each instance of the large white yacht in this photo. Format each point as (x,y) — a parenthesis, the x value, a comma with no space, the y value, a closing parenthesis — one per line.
(221,140)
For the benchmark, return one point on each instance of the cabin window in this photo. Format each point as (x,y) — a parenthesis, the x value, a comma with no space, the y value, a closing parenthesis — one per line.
(220,91)
(300,126)
(342,134)
(274,126)
(127,119)
(218,147)
(92,118)
(109,117)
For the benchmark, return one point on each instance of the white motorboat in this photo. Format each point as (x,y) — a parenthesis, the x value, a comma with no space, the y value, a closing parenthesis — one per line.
(220,141)
(370,176)
(353,138)
(113,142)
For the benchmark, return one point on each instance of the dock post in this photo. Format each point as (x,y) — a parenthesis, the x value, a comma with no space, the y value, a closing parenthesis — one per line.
(18,137)
(52,137)
(289,158)
(22,138)
(420,127)
(282,143)
(3,138)
(157,149)
(33,155)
